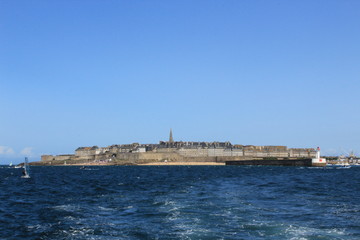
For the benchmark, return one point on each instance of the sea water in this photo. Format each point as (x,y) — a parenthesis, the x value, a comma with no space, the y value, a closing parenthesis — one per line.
(180,202)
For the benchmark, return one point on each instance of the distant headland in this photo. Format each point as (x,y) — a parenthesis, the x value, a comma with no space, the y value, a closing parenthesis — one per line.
(177,153)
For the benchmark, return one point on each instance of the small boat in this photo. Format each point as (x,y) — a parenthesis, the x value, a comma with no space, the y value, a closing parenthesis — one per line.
(10,165)
(26,171)
(343,166)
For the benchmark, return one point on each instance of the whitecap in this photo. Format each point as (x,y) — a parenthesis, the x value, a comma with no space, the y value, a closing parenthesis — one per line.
(169,202)
(67,208)
(105,208)
(301,232)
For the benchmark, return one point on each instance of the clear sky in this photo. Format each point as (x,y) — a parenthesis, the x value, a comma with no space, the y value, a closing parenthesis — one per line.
(83,73)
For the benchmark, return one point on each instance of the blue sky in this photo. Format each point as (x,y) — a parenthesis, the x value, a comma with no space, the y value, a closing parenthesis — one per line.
(83,73)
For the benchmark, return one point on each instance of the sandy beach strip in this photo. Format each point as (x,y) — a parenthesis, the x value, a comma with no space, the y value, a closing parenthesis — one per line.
(88,164)
(182,163)
(146,164)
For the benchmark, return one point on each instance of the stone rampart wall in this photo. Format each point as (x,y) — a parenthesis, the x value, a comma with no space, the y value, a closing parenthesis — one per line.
(165,150)
(249,152)
(47,157)
(184,154)
(147,157)
(210,152)
(137,158)
(82,152)
(301,152)
(63,157)
(254,153)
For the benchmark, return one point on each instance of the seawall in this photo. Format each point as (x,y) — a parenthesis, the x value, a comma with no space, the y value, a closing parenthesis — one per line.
(297,162)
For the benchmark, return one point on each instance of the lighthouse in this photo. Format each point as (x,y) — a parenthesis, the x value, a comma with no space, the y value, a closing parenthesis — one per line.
(318,161)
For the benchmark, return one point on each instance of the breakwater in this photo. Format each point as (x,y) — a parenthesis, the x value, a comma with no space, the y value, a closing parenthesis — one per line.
(296,162)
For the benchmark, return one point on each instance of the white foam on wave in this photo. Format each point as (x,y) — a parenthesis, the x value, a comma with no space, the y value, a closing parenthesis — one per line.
(129,209)
(106,209)
(71,218)
(191,228)
(38,227)
(183,224)
(77,232)
(67,208)
(87,232)
(267,229)
(173,216)
(301,232)
(167,202)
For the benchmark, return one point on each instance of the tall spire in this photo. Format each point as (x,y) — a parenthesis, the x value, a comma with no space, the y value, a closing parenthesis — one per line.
(171,140)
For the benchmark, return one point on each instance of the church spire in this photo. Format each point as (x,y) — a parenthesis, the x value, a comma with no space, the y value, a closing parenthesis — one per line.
(171,140)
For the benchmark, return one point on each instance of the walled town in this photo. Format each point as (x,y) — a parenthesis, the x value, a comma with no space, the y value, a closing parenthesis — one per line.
(176,151)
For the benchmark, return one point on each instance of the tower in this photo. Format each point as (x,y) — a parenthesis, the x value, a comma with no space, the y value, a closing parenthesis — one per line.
(171,140)
(318,153)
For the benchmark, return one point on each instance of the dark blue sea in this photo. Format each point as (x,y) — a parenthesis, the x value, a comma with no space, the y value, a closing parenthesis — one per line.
(180,202)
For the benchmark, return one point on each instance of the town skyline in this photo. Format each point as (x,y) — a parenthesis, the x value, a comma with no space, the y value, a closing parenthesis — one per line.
(249,72)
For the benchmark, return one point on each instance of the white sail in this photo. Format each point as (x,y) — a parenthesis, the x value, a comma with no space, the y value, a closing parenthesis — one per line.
(26,171)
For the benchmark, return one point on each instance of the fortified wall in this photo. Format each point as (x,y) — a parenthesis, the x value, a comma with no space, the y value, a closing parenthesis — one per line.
(177,152)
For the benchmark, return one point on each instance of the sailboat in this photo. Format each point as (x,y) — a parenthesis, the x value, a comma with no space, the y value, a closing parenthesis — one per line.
(26,171)
(10,165)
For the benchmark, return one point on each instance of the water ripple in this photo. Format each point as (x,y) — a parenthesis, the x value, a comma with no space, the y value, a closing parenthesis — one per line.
(175,202)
